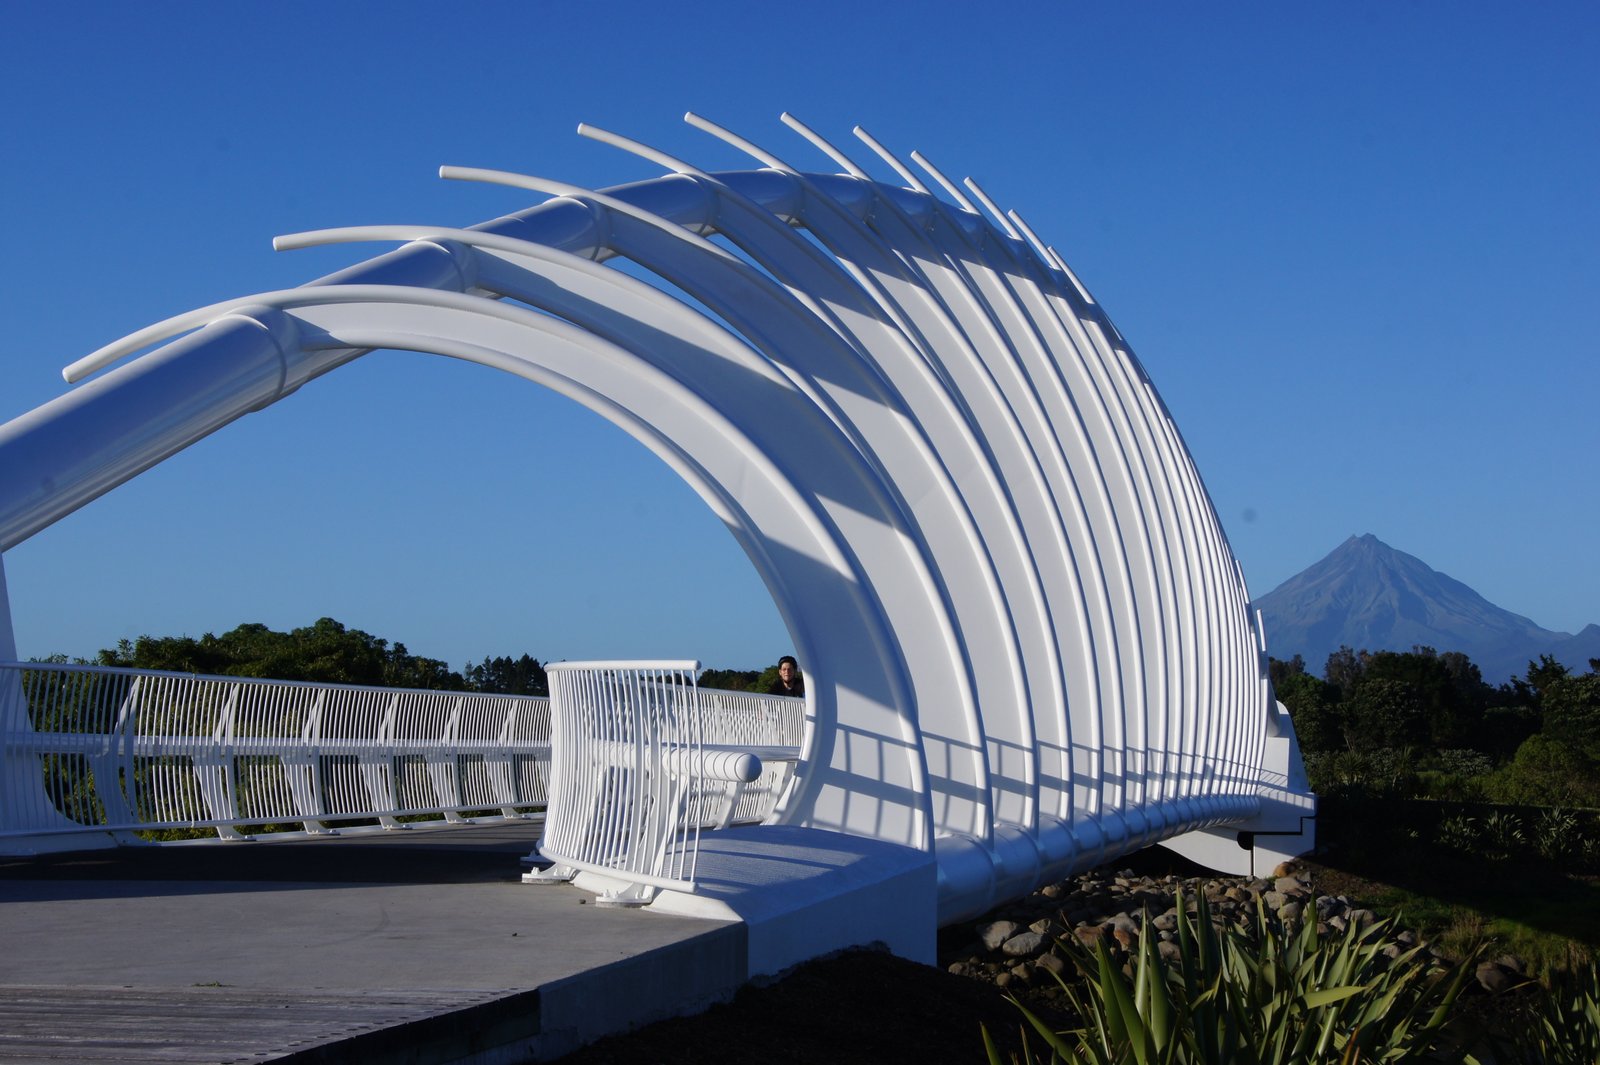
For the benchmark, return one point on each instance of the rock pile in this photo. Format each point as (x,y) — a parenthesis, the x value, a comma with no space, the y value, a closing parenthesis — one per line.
(1016,944)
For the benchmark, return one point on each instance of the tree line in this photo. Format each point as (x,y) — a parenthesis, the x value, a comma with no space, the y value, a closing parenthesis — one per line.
(326,652)
(1425,723)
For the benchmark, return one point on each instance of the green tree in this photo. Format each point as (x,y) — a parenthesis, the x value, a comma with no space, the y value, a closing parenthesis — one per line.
(1448,689)
(1344,669)
(1314,708)
(1530,687)
(1384,713)
(1572,713)
(1505,728)
(731,680)
(325,651)
(767,678)
(1279,671)
(1547,772)
(508,676)
(1465,676)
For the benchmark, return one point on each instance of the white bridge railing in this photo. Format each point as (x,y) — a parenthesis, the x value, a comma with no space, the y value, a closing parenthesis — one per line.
(98,749)
(643,760)
(106,749)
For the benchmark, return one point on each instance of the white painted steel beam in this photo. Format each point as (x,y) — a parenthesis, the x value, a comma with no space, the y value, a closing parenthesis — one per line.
(1029,646)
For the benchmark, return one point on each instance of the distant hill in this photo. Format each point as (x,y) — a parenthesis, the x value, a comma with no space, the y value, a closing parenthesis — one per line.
(1368,596)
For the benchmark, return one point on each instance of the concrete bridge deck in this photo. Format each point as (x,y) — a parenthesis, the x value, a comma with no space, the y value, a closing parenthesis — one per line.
(417,946)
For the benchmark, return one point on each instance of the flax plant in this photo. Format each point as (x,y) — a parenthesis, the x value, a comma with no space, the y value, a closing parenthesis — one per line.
(1564,1028)
(1254,995)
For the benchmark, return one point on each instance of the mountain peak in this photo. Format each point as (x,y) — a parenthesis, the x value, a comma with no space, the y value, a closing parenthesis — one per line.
(1363,542)
(1370,596)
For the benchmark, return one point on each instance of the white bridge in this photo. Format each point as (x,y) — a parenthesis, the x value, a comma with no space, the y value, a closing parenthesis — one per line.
(1029,646)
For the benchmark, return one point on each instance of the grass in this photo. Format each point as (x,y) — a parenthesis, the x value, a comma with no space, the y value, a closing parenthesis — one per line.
(1520,905)
(1487,917)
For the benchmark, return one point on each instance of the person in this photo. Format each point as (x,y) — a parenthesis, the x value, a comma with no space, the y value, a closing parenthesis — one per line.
(789,681)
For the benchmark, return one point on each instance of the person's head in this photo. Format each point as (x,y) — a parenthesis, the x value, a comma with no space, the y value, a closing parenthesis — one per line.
(788,669)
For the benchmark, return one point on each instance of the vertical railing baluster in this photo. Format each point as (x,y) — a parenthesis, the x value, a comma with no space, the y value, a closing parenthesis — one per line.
(103,748)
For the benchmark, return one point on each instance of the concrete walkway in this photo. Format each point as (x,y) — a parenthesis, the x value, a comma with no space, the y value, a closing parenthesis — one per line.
(416,946)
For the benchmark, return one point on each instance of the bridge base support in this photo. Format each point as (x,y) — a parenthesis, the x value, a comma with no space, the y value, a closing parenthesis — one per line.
(551,874)
(1240,851)
(632,896)
(804,892)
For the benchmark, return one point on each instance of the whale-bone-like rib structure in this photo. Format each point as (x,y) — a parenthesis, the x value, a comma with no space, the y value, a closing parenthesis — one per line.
(1029,647)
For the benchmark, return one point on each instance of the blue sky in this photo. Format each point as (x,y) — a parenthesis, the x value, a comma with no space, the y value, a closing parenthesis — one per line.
(1356,245)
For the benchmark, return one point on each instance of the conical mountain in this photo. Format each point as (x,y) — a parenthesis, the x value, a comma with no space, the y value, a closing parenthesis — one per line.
(1369,596)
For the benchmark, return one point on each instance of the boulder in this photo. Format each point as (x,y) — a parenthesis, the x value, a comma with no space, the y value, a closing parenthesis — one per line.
(1051,963)
(1491,977)
(1090,934)
(996,933)
(1024,944)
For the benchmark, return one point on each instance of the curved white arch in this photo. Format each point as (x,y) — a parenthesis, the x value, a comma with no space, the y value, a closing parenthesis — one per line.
(1031,646)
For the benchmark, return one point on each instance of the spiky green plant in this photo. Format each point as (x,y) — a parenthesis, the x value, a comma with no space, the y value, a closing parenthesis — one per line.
(1564,1028)
(1554,833)
(1502,835)
(1255,995)
(1459,833)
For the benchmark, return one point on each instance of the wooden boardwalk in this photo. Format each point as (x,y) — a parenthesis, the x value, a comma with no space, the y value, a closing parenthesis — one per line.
(214,1025)
(410,947)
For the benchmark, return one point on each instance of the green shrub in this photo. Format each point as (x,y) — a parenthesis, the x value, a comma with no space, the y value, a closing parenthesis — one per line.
(1459,833)
(1555,834)
(1449,787)
(1385,772)
(1254,995)
(1462,763)
(1547,773)
(1502,835)
(1456,775)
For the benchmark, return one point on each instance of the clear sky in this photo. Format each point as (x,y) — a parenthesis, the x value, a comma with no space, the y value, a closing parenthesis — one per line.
(1356,245)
